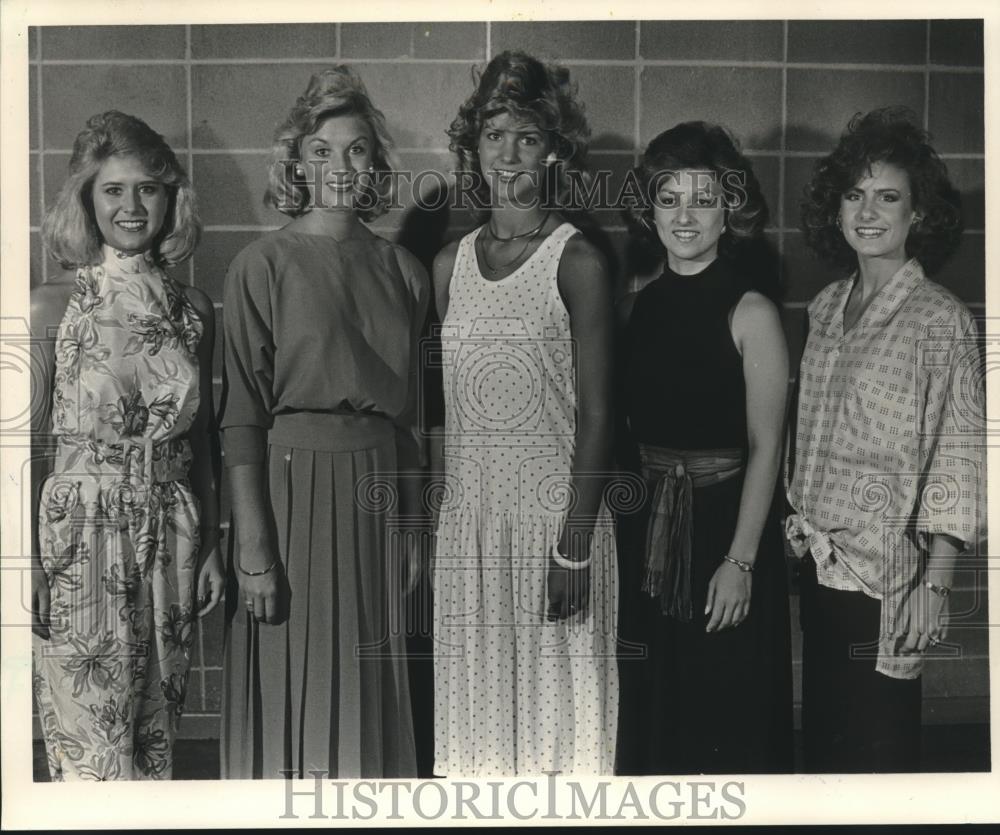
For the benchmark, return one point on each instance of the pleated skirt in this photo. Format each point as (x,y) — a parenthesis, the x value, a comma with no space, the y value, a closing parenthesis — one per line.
(326,691)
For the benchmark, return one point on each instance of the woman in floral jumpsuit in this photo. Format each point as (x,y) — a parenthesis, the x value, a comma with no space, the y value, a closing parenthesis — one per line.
(127,517)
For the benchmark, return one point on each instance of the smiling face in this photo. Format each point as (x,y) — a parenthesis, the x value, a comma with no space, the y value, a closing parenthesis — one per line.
(689,217)
(512,156)
(332,157)
(129,205)
(877,212)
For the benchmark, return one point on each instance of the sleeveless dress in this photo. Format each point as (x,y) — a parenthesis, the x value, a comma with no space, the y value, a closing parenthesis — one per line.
(118,526)
(515,694)
(698,702)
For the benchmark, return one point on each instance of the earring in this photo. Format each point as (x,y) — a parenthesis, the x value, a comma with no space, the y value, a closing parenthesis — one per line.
(300,172)
(722,231)
(838,221)
(644,220)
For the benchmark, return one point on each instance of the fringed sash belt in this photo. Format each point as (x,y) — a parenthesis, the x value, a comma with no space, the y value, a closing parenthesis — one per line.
(676,472)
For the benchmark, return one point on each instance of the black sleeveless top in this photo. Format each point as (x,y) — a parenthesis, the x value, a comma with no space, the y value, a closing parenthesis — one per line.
(683,377)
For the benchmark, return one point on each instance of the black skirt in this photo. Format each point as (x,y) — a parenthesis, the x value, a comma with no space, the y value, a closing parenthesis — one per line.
(698,702)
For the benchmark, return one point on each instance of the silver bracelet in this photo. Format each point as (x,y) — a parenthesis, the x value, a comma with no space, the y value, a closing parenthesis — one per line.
(562,562)
(745,567)
(242,570)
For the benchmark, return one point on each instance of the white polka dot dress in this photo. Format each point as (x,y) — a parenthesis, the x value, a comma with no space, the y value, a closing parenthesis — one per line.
(513,693)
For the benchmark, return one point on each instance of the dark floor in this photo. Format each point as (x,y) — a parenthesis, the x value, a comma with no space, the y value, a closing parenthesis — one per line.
(945,748)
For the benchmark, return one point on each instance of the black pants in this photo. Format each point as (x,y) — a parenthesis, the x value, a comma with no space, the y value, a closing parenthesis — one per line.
(853,718)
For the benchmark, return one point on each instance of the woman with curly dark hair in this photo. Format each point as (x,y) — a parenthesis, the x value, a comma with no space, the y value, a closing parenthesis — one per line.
(319,409)
(524,576)
(884,474)
(704,378)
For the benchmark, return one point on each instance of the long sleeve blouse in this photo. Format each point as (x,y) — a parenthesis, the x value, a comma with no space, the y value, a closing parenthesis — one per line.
(316,324)
(888,441)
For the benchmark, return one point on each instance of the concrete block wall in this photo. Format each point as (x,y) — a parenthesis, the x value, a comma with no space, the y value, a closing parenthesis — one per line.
(786,88)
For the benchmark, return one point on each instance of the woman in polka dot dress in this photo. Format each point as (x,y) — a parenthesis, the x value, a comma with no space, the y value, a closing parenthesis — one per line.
(524,573)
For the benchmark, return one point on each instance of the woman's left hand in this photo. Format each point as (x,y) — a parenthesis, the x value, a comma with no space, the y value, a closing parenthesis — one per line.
(211,582)
(728,602)
(922,620)
(569,588)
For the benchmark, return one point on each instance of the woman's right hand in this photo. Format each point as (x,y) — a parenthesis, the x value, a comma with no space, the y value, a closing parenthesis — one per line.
(263,595)
(39,601)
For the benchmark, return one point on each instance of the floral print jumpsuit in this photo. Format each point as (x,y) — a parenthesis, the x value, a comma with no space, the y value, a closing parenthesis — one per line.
(118,526)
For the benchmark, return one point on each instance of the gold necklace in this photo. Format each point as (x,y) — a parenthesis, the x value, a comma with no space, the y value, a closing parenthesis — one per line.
(496,237)
(534,234)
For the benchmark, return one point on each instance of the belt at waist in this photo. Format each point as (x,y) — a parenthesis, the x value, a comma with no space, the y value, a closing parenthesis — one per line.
(132,458)
(331,431)
(669,535)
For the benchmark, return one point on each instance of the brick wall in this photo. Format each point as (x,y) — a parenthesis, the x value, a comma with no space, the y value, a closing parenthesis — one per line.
(786,88)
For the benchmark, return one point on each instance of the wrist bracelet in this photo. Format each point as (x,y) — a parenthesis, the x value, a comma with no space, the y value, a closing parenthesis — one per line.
(242,570)
(940,591)
(745,567)
(562,562)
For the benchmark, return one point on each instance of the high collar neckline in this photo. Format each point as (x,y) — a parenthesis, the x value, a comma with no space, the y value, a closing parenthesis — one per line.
(711,274)
(127,262)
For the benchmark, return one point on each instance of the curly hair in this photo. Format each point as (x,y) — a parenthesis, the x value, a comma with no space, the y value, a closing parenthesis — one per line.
(888,135)
(69,229)
(531,91)
(335,91)
(706,147)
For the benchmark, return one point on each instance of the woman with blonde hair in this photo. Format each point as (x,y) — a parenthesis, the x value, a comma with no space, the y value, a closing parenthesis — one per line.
(321,319)
(126,555)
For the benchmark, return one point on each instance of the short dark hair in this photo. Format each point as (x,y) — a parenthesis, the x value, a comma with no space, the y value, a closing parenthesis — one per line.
(888,134)
(708,147)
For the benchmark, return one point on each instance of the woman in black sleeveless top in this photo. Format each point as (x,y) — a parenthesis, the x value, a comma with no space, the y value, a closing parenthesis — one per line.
(704,375)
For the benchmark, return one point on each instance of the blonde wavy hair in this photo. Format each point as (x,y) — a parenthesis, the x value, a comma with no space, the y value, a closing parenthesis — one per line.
(69,229)
(335,91)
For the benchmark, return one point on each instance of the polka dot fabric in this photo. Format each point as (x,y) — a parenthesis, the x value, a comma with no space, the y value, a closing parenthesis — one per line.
(515,694)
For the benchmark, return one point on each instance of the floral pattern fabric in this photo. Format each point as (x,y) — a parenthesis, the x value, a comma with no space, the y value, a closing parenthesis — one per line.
(118,526)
